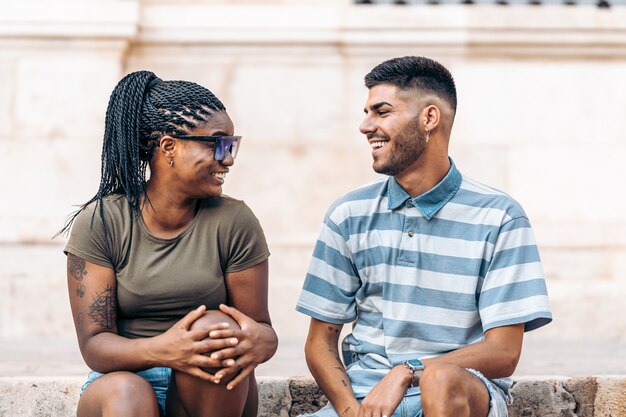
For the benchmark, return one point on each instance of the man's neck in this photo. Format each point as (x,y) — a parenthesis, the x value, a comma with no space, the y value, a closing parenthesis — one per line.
(423,175)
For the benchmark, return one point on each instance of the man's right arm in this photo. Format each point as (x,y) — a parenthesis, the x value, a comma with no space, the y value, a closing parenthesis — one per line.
(322,357)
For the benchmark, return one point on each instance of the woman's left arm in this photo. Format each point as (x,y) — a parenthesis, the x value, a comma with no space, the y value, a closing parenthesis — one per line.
(247,304)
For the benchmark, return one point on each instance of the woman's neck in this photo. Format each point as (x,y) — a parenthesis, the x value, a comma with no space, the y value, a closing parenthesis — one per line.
(166,216)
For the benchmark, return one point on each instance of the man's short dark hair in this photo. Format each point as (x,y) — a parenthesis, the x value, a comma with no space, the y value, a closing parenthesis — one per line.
(416,72)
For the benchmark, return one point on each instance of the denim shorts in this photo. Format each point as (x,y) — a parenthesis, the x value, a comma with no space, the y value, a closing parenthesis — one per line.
(411,405)
(159,378)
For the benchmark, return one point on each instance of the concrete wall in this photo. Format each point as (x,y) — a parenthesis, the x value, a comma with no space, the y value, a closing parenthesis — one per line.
(541,116)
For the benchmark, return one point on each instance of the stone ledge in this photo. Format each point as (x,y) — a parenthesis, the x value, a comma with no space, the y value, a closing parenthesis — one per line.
(98,19)
(593,396)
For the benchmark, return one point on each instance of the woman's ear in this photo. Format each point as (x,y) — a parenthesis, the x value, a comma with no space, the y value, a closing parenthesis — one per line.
(167,147)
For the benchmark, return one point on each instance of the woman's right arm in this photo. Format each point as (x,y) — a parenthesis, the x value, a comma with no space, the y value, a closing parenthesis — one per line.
(92,291)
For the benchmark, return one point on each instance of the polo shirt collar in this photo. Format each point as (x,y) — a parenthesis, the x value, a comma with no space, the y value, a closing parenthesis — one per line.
(431,201)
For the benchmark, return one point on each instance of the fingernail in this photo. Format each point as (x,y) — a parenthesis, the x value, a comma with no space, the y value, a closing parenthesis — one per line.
(233,341)
(230,362)
(215,356)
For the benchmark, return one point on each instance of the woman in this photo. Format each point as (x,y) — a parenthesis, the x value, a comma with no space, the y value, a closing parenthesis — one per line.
(168,278)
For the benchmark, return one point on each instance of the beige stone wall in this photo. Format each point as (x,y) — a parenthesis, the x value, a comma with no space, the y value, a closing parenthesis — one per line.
(542,116)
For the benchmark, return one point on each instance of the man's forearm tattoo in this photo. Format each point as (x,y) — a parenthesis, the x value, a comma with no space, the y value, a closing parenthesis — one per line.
(345,411)
(340,366)
(336,355)
(102,309)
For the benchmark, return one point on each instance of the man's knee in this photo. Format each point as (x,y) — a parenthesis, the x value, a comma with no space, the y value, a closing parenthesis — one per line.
(441,375)
(441,382)
(451,390)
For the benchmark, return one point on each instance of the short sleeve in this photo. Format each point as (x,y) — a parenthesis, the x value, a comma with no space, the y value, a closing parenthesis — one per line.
(246,244)
(87,238)
(330,286)
(514,289)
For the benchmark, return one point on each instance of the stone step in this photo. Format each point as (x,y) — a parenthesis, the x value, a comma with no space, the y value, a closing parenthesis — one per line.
(591,396)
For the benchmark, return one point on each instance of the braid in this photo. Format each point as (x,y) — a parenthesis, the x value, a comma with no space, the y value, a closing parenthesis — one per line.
(141,110)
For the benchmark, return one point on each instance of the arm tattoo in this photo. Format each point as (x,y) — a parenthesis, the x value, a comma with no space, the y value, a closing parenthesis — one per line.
(76,267)
(336,355)
(80,321)
(102,309)
(331,329)
(345,411)
(80,290)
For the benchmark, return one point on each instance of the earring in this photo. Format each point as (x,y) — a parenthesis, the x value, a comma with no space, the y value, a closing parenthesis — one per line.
(171,163)
(427,135)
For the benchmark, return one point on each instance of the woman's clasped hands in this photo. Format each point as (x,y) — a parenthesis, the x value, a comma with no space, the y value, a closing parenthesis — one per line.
(215,346)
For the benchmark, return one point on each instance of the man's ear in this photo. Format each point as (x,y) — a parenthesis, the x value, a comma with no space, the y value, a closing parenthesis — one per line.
(430,117)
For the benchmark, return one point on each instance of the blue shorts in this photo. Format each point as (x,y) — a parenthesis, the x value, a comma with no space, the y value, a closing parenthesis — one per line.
(159,378)
(411,405)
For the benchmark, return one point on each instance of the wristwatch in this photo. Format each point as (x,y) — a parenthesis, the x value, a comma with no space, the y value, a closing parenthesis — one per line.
(415,367)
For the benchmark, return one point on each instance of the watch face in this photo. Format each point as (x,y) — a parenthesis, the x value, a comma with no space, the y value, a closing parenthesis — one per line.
(416,363)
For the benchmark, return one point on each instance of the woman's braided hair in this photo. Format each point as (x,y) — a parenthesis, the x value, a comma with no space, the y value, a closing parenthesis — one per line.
(141,110)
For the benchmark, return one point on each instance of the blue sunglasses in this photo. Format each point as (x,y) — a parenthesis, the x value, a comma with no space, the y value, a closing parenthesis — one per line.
(223,144)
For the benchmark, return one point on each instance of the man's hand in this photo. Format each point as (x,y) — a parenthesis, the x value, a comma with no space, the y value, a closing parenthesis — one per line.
(385,397)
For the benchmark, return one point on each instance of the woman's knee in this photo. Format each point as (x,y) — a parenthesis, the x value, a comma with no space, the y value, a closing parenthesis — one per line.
(119,394)
(211,317)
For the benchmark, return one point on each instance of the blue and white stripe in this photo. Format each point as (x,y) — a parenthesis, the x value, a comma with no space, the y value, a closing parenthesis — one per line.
(422,276)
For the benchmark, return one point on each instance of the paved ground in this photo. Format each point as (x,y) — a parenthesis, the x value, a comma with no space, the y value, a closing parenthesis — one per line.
(540,357)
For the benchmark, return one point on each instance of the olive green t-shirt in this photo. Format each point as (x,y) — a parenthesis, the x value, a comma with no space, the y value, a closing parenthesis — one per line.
(161,280)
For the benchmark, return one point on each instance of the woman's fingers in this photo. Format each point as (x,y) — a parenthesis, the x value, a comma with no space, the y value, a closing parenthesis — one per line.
(245,372)
(200,373)
(225,332)
(226,372)
(186,322)
(229,352)
(205,331)
(209,346)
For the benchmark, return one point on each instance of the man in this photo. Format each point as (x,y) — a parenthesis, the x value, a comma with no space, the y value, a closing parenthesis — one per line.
(440,274)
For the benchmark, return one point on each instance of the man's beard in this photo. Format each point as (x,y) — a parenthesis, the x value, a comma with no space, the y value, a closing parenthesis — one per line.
(406,148)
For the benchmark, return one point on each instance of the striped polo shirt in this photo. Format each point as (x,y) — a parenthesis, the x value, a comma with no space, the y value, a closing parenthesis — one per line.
(423,276)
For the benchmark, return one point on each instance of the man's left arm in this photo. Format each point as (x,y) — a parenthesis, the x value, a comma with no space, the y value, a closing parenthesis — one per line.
(495,357)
